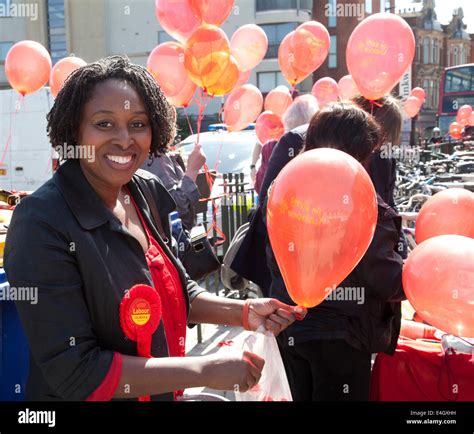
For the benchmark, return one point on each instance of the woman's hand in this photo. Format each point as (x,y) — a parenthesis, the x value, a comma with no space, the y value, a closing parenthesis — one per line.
(272,314)
(232,371)
(195,161)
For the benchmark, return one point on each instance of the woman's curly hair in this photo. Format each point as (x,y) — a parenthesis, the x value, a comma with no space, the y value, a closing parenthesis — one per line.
(65,116)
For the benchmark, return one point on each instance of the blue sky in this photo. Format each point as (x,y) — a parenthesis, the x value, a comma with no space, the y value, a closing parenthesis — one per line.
(444,10)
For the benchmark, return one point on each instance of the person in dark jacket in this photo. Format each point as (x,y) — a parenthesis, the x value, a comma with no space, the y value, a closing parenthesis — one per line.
(327,356)
(383,164)
(112,300)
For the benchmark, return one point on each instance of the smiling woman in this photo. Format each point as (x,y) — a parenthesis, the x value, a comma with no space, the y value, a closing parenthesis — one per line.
(113,301)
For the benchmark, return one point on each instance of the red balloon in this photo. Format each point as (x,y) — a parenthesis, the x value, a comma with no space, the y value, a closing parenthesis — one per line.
(378,53)
(347,87)
(455,130)
(278,100)
(325,90)
(242,107)
(321,217)
(166,64)
(248,45)
(412,106)
(211,11)
(302,51)
(449,212)
(61,71)
(419,93)
(438,279)
(177,18)
(27,66)
(269,126)
(207,55)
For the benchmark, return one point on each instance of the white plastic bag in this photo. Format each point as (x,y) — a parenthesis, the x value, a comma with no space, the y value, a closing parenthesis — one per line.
(273,384)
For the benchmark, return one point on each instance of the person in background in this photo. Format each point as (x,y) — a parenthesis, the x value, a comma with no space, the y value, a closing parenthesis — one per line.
(179,179)
(382,167)
(436,136)
(327,356)
(298,113)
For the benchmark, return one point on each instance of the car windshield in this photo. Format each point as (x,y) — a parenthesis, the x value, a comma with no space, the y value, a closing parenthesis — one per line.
(232,151)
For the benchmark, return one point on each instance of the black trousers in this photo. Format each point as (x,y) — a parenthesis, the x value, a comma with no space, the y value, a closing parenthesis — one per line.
(327,370)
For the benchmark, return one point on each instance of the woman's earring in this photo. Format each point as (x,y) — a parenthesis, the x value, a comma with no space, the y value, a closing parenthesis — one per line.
(150,159)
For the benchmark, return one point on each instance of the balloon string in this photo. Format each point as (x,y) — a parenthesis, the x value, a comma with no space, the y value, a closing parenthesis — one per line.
(188,120)
(18,105)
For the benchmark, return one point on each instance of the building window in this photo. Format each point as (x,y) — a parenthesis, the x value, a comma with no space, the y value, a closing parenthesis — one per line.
(386,6)
(56,30)
(332,17)
(275,34)
(368,6)
(332,59)
(266,81)
(431,88)
(455,56)
(4,47)
(273,5)
(426,50)
(418,52)
(164,37)
(435,54)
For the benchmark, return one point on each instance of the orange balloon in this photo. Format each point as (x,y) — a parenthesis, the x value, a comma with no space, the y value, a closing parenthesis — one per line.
(269,126)
(242,107)
(449,212)
(278,100)
(455,130)
(412,106)
(227,80)
(438,279)
(419,93)
(321,217)
(207,55)
(211,11)
(347,87)
(470,121)
(248,45)
(302,51)
(61,71)
(243,78)
(166,64)
(176,18)
(379,51)
(325,90)
(27,66)
(463,115)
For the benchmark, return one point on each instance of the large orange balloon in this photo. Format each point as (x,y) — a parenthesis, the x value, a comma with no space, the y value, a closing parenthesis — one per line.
(379,51)
(166,64)
(227,80)
(27,66)
(438,279)
(449,212)
(269,126)
(302,51)
(207,55)
(347,87)
(211,11)
(412,106)
(463,115)
(325,90)
(278,100)
(61,71)
(177,18)
(321,217)
(248,45)
(242,107)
